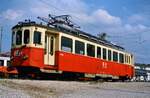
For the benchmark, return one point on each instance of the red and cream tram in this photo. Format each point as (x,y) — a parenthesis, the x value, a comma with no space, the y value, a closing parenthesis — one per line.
(38,48)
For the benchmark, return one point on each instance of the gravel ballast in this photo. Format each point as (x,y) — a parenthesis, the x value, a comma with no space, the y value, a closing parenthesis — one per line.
(72,89)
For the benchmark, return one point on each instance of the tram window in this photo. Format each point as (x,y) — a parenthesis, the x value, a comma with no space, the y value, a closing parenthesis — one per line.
(52,46)
(37,37)
(104,53)
(125,59)
(98,52)
(90,50)
(26,36)
(121,58)
(1,62)
(79,47)
(13,38)
(45,51)
(66,44)
(19,38)
(129,59)
(115,56)
(8,63)
(109,55)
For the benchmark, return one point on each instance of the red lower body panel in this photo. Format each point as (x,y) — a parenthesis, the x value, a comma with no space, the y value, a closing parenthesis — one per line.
(84,64)
(28,57)
(70,62)
(3,69)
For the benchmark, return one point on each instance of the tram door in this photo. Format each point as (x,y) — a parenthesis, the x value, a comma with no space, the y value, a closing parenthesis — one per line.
(49,57)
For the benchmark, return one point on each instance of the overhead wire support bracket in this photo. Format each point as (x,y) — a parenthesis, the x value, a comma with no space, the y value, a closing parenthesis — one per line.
(59,21)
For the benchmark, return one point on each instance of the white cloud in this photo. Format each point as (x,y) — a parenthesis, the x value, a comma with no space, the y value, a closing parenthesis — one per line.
(44,7)
(39,9)
(78,10)
(136,18)
(139,28)
(11,14)
(99,20)
(103,17)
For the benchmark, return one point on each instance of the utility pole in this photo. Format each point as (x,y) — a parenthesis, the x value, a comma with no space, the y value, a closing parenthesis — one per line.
(1,35)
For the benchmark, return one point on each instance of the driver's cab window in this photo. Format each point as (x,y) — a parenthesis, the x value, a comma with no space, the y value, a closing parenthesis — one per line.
(13,38)
(19,37)
(37,37)
(26,36)
(8,63)
(1,62)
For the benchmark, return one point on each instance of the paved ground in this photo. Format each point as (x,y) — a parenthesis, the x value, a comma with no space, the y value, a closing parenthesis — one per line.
(72,89)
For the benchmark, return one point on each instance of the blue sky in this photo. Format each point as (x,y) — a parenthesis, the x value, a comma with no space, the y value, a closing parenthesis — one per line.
(125,21)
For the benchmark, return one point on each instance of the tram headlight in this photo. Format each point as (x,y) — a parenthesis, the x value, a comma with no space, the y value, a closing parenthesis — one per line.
(17,53)
(25,57)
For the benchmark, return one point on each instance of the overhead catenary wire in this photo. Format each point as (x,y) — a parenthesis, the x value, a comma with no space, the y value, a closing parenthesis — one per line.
(76,17)
(140,41)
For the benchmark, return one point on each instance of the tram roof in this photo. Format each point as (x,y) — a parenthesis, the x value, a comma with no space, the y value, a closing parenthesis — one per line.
(74,32)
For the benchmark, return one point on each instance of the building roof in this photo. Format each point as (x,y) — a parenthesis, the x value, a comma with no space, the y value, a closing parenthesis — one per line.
(6,54)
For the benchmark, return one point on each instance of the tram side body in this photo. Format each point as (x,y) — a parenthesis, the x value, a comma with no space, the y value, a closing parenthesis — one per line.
(48,50)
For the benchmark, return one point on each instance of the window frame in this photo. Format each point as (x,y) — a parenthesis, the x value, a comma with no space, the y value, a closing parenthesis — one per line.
(115,56)
(99,52)
(13,38)
(2,62)
(52,45)
(104,53)
(70,46)
(45,46)
(19,39)
(35,38)
(121,58)
(89,53)
(8,63)
(27,41)
(129,59)
(81,45)
(109,55)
